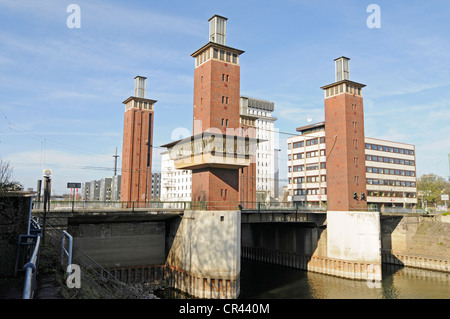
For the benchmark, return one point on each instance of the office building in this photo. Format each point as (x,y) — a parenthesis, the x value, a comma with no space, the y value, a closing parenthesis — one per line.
(333,164)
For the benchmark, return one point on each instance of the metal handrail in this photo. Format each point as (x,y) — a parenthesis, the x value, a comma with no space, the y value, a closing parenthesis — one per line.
(182,205)
(83,260)
(66,252)
(30,271)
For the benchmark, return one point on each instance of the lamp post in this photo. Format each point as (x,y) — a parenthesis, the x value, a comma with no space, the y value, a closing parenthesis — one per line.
(47,174)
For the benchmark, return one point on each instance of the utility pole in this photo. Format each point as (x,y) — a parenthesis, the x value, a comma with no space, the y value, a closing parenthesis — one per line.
(115,162)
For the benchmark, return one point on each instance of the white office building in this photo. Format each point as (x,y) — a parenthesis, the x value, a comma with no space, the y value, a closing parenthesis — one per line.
(390,170)
(267,170)
(176,184)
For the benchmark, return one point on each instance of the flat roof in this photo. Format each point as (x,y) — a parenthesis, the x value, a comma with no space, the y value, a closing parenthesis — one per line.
(308,127)
(219,16)
(343,81)
(378,139)
(259,103)
(220,46)
(206,134)
(141,99)
(342,57)
(320,124)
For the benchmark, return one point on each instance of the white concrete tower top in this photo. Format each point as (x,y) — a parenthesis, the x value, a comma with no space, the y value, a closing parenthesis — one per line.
(139,86)
(342,68)
(217,29)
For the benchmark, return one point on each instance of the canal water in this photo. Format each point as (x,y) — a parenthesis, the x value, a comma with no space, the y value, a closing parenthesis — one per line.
(267,281)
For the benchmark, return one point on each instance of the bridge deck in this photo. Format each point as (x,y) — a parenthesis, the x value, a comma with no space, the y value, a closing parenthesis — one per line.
(114,214)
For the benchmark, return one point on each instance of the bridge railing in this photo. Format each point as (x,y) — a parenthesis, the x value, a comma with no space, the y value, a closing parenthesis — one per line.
(79,205)
(182,205)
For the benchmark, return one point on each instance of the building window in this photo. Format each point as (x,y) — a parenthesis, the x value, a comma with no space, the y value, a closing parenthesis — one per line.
(311,142)
(216,53)
(312,167)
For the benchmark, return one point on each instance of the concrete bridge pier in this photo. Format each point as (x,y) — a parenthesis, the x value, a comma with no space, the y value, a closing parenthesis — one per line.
(204,258)
(355,237)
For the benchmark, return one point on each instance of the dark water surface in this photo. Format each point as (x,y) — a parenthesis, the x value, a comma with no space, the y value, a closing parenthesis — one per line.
(263,280)
(267,281)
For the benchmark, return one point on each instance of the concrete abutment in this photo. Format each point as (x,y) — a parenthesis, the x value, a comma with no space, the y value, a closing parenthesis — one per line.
(349,246)
(204,258)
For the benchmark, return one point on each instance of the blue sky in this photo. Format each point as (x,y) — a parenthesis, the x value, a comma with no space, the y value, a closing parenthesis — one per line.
(61,89)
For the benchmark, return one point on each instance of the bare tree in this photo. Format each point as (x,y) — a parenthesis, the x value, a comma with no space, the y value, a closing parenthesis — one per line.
(6,182)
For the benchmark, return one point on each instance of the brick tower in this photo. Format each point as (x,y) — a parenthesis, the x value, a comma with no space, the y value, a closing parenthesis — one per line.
(345,148)
(216,105)
(137,145)
(220,147)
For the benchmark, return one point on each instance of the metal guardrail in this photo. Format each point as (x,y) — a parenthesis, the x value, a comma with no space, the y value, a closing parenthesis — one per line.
(66,252)
(182,205)
(80,205)
(30,272)
(28,250)
(99,274)
(203,205)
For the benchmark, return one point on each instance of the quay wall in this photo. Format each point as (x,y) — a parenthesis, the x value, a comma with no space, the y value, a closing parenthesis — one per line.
(416,241)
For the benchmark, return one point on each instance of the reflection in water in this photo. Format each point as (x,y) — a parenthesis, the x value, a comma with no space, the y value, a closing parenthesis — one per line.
(261,280)
(268,281)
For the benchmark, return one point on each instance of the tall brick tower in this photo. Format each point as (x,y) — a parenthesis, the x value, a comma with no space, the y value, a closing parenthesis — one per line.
(345,148)
(217,82)
(137,145)
(216,105)
(220,147)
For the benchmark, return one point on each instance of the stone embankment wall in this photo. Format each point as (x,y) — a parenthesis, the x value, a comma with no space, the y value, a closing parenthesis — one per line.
(14,217)
(416,241)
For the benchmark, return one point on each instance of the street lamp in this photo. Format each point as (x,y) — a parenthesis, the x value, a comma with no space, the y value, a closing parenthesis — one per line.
(47,174)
